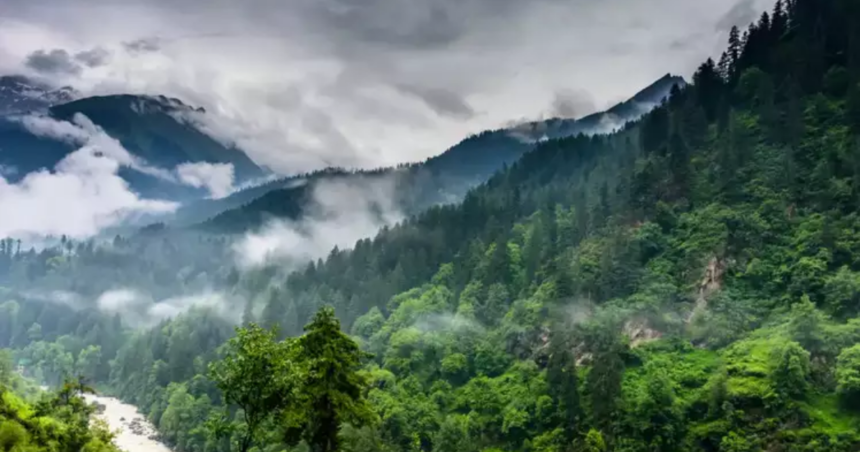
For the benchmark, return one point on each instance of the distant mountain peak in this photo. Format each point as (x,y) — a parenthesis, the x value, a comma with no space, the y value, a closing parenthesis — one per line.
(600,122)
(20,94)
(655,92)
(162,104)
(140,104)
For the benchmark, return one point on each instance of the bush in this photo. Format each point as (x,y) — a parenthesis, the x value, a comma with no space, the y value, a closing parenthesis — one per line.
(12,434)
(848,374)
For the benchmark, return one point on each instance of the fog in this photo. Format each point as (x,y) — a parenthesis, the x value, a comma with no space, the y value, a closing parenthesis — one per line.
(339,213)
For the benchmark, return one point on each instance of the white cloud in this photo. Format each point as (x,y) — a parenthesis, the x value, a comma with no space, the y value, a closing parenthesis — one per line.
(139,309)
(120,300)
(81,131)
(217,178)
(82,195)
(340,213)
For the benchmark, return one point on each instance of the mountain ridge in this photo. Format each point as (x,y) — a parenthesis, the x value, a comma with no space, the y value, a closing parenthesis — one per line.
(149,127)
(21,95)
(441,179)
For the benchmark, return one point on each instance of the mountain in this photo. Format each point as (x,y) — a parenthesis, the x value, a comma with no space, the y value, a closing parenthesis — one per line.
(441,179)
(690,282)
(606,121)
(151,128)
(20,95)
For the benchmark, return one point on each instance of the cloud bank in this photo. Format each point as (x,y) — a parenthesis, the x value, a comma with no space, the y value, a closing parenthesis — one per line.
(340,213)
(139,309)
(82,195)
(217,178)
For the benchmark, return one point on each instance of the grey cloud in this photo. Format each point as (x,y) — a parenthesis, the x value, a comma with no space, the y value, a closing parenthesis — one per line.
(412,24)
(95,57)
(56,61)
(572,104)
(741,14)
(441,101)
(143,45)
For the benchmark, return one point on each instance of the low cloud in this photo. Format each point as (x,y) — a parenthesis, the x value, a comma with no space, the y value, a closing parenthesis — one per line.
(140,310)
(450,323)
(83,194)
(60,297)
(81,131)
(339,214)
(572,104)
(217,178)
(442,101)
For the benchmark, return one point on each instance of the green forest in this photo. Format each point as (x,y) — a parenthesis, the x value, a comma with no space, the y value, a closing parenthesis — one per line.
(688,283)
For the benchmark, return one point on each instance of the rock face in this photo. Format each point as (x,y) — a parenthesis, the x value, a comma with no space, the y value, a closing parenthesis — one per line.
(712,281)
(639,332)
(21,95)
(100,408)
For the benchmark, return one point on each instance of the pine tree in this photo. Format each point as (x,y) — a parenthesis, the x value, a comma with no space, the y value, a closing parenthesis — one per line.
(561,375)
(779,22)
(734,51)
(333,391)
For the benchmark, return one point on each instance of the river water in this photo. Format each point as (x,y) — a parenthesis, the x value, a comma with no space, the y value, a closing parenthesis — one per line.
(134,429)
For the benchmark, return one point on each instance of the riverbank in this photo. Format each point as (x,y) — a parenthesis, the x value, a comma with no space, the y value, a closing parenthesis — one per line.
(134,432)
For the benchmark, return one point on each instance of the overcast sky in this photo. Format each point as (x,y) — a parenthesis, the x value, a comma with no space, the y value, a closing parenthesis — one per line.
(303,84)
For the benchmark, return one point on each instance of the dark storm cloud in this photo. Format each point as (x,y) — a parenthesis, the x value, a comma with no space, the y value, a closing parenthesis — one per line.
(441,101)
(94,57)
(54,62)
(741,14)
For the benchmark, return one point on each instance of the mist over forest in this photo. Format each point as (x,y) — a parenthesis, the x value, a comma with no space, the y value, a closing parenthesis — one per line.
(675,271)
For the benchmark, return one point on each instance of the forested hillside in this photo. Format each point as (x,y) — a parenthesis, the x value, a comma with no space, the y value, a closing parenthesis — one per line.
(53,423)
(688,283)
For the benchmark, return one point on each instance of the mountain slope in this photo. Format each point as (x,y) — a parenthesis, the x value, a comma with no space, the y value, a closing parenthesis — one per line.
(148,127)
(607,121)
(20,95)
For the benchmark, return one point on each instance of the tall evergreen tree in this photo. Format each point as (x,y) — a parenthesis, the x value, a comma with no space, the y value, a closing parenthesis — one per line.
(333,390)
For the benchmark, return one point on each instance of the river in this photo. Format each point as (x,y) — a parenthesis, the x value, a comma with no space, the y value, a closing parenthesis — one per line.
(134,429)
